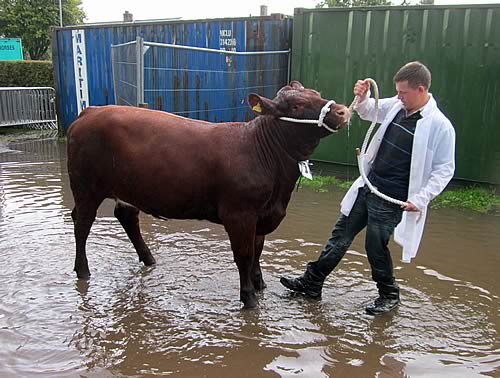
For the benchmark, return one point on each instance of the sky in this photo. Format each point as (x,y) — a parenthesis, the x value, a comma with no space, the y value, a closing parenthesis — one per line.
(112,10)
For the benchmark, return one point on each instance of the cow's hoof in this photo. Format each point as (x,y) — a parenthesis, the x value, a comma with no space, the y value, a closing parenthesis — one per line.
(83,275)
(148,260)
(250,303)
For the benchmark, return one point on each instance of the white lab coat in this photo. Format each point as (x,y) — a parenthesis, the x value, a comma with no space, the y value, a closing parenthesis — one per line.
(432,165)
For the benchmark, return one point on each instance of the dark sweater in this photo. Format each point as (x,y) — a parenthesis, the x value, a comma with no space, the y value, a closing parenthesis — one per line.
(390,172)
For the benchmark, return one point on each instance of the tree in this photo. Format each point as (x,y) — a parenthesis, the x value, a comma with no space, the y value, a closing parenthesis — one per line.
(352,3)
(31,20)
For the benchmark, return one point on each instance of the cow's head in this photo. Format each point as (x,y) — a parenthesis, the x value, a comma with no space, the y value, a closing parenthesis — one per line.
(295,101)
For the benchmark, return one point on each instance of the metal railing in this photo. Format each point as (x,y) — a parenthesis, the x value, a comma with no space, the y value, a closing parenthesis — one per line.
(32,107)
(195,82)
(128,72)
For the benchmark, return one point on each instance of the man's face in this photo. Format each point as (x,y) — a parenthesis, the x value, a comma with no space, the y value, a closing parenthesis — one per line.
(410,97)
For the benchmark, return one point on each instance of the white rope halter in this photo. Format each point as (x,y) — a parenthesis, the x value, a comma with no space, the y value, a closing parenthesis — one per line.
(362,154)
(319,121)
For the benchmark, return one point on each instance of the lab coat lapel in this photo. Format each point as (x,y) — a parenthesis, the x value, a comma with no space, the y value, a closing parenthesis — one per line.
(420,143)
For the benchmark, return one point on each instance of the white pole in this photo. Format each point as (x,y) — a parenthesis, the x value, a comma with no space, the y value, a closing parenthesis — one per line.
(60,14)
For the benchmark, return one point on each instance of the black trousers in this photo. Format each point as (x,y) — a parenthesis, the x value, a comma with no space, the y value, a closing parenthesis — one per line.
(380,219)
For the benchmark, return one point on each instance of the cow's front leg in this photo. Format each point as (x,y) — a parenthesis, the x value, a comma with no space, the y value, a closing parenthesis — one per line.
(241,231)
(258,280)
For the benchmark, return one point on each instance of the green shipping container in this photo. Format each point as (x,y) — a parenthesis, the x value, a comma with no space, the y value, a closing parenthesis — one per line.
(334,47)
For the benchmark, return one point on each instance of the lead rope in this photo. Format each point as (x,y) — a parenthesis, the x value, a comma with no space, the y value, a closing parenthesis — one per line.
(361,154)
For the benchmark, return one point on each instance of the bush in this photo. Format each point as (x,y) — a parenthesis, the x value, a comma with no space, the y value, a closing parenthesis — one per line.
(29,73)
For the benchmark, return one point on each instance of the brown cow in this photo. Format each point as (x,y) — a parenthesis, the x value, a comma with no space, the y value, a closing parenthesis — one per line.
(240,175)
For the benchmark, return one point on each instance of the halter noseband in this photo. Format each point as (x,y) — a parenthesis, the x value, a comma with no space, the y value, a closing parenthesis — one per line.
(319,121)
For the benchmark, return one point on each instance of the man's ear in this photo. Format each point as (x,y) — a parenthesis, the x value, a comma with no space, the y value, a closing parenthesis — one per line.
(261,105)
(421,89)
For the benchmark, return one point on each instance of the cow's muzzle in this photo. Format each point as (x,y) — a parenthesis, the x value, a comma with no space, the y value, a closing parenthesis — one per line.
(340,111)
(343,113)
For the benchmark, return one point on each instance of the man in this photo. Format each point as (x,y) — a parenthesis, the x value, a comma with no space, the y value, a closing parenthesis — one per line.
(410,158)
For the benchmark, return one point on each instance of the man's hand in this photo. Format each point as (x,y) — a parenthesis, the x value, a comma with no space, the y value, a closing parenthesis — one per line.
(361,89)
(408,206)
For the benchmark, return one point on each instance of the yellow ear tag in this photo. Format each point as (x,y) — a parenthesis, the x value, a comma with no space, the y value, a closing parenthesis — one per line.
(257,108)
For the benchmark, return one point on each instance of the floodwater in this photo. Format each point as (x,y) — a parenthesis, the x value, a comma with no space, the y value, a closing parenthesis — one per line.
(182,318)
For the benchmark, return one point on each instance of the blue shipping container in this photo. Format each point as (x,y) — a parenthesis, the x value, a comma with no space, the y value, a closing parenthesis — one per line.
(83,65)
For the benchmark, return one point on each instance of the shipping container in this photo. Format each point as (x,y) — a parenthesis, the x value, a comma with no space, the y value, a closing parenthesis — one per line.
(332,48)
(197,87)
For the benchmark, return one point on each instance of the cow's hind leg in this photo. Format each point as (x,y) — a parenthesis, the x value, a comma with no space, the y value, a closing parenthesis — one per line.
(129,219)
(83,216)
(258,280)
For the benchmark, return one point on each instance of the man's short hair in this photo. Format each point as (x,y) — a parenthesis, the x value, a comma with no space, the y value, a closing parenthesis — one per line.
(415,73)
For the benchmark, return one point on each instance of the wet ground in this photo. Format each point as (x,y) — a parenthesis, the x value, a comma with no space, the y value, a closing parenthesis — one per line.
(182,317)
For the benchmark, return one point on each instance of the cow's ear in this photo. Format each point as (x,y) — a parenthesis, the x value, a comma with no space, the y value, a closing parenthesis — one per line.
(296,84)
(261,105)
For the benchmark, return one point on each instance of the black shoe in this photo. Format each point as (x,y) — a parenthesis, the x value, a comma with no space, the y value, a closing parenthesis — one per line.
(300,285)
(382,305)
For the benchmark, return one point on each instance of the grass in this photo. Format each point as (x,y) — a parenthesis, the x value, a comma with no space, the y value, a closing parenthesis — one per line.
(323,183)
(475,198)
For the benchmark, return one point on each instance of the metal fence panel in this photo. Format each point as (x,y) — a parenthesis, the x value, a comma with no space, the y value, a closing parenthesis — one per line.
(194,82)
(332,48)
(125,68)
(33,107)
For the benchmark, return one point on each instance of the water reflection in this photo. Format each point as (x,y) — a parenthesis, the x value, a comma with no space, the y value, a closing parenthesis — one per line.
(182,317)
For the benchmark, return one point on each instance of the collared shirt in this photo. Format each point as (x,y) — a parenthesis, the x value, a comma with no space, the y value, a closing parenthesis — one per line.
(391,168)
